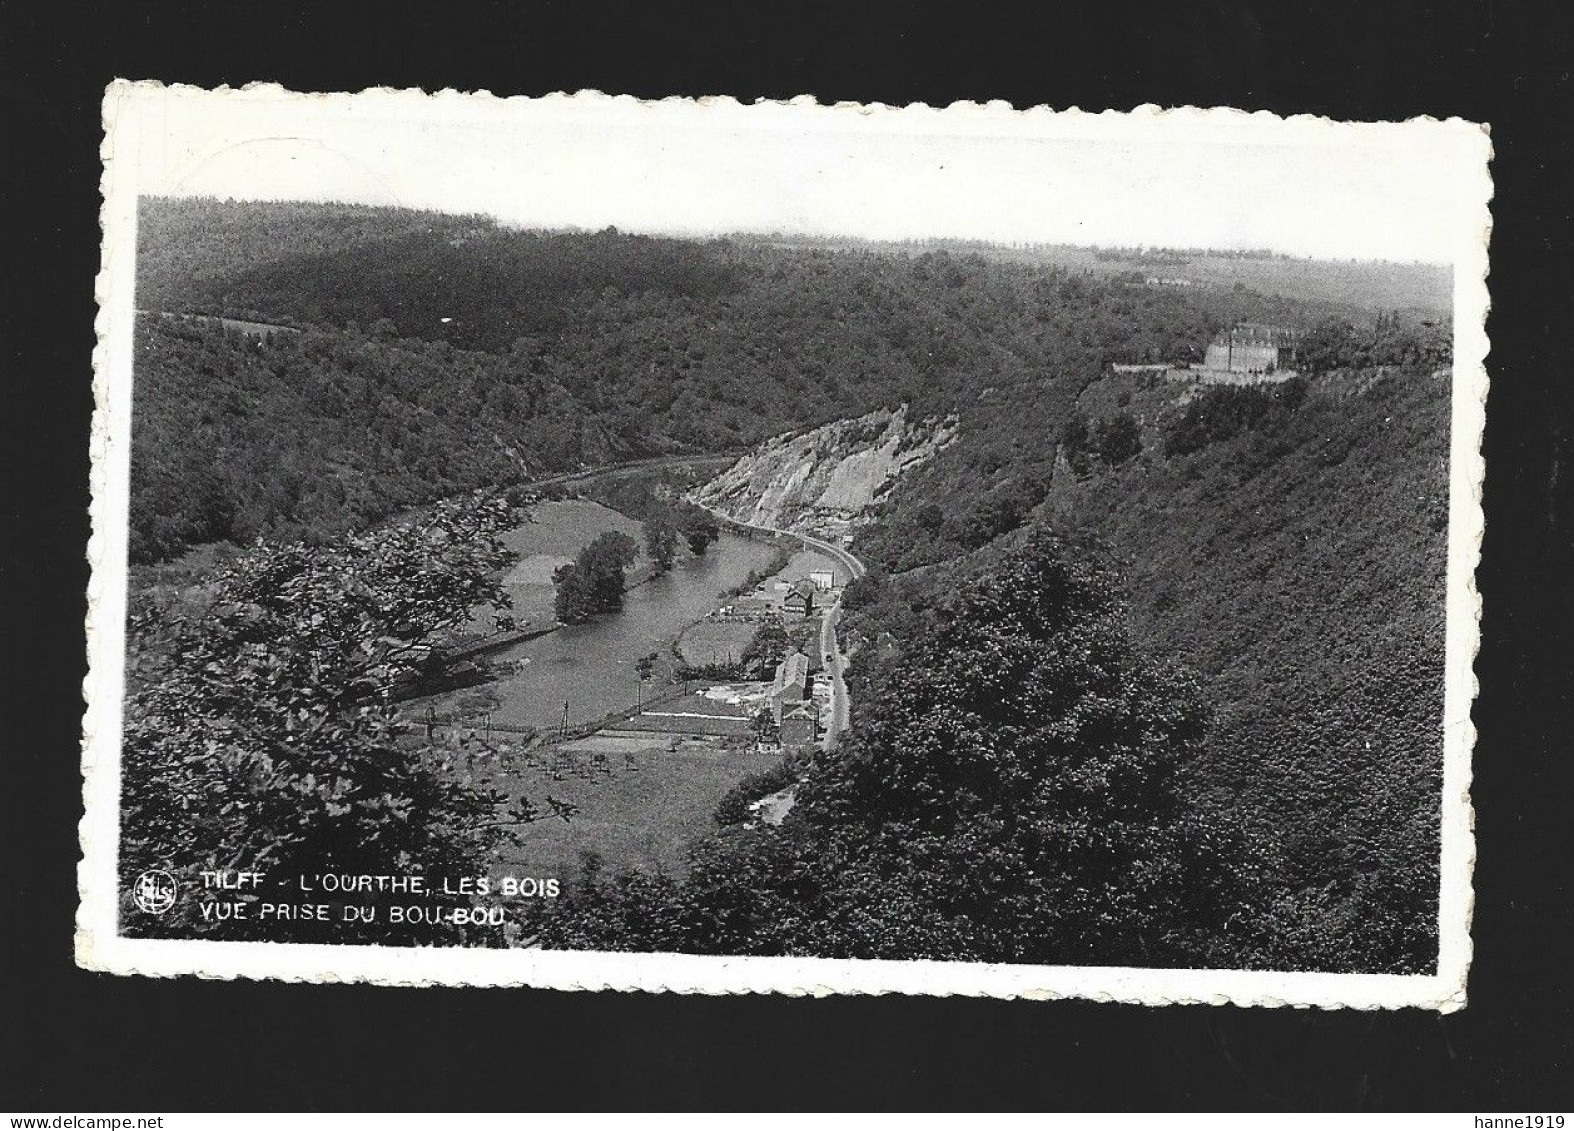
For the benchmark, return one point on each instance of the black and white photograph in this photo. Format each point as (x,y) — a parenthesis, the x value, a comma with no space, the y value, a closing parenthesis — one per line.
(589,543)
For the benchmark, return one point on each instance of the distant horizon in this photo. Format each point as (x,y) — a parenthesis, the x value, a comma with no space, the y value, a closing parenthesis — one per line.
(698,235)
(1222,180)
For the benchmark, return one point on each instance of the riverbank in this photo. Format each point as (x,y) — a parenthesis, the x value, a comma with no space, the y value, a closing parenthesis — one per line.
(575,675)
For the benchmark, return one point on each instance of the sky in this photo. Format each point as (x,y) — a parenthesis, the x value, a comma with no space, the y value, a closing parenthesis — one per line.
(1223,179)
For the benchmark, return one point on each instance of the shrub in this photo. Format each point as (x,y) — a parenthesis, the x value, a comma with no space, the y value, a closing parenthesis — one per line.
(733,809)
(1222,412)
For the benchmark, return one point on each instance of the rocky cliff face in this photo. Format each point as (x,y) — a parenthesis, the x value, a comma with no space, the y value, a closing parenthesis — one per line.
(824,482)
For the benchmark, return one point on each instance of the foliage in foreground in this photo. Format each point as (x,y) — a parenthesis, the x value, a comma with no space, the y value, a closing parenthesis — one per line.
(261,734)
(1015,791)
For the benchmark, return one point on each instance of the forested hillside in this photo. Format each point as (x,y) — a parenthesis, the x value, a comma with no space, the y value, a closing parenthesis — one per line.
(310,435)
(1300,563)
(1276,587)
(1358,285)
(449,353)
(1295,562)
(186,247)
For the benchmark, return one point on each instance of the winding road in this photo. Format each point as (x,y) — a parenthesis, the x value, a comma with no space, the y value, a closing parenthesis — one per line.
(831,656)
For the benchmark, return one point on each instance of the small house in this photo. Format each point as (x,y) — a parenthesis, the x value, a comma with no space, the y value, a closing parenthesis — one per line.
(800,598)
(823,580)
(799,726)
(791,685)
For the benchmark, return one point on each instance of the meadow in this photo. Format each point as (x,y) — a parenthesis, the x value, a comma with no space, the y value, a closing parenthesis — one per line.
(642,811)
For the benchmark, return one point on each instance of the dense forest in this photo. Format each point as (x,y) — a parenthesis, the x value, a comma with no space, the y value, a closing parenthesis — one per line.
(1145,672)
(1425,289)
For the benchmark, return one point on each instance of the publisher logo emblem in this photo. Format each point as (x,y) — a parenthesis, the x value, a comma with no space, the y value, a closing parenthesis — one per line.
(155,891)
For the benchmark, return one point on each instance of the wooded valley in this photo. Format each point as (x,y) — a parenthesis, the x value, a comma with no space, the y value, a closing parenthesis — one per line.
(1147,672)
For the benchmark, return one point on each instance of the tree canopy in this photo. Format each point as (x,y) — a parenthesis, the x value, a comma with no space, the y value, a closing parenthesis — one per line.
(593,582)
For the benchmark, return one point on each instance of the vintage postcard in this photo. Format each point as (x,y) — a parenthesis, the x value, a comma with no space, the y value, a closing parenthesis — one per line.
(601,544)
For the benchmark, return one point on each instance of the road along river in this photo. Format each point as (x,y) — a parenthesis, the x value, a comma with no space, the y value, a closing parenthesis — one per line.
(831,656)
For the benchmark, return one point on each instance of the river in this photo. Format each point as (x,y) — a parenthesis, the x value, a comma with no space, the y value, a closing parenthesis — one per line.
(592,667)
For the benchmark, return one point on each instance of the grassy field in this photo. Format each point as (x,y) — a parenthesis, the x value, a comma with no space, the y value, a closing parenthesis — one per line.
(715,642)
(642,812)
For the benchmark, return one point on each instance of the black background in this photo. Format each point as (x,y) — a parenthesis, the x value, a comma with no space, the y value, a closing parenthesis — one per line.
(89,1042)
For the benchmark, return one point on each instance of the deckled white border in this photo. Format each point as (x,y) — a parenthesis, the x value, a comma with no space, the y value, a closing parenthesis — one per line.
(130,109)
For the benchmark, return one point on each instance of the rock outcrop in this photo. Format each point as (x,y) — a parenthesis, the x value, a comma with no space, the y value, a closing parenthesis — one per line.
(824,481)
